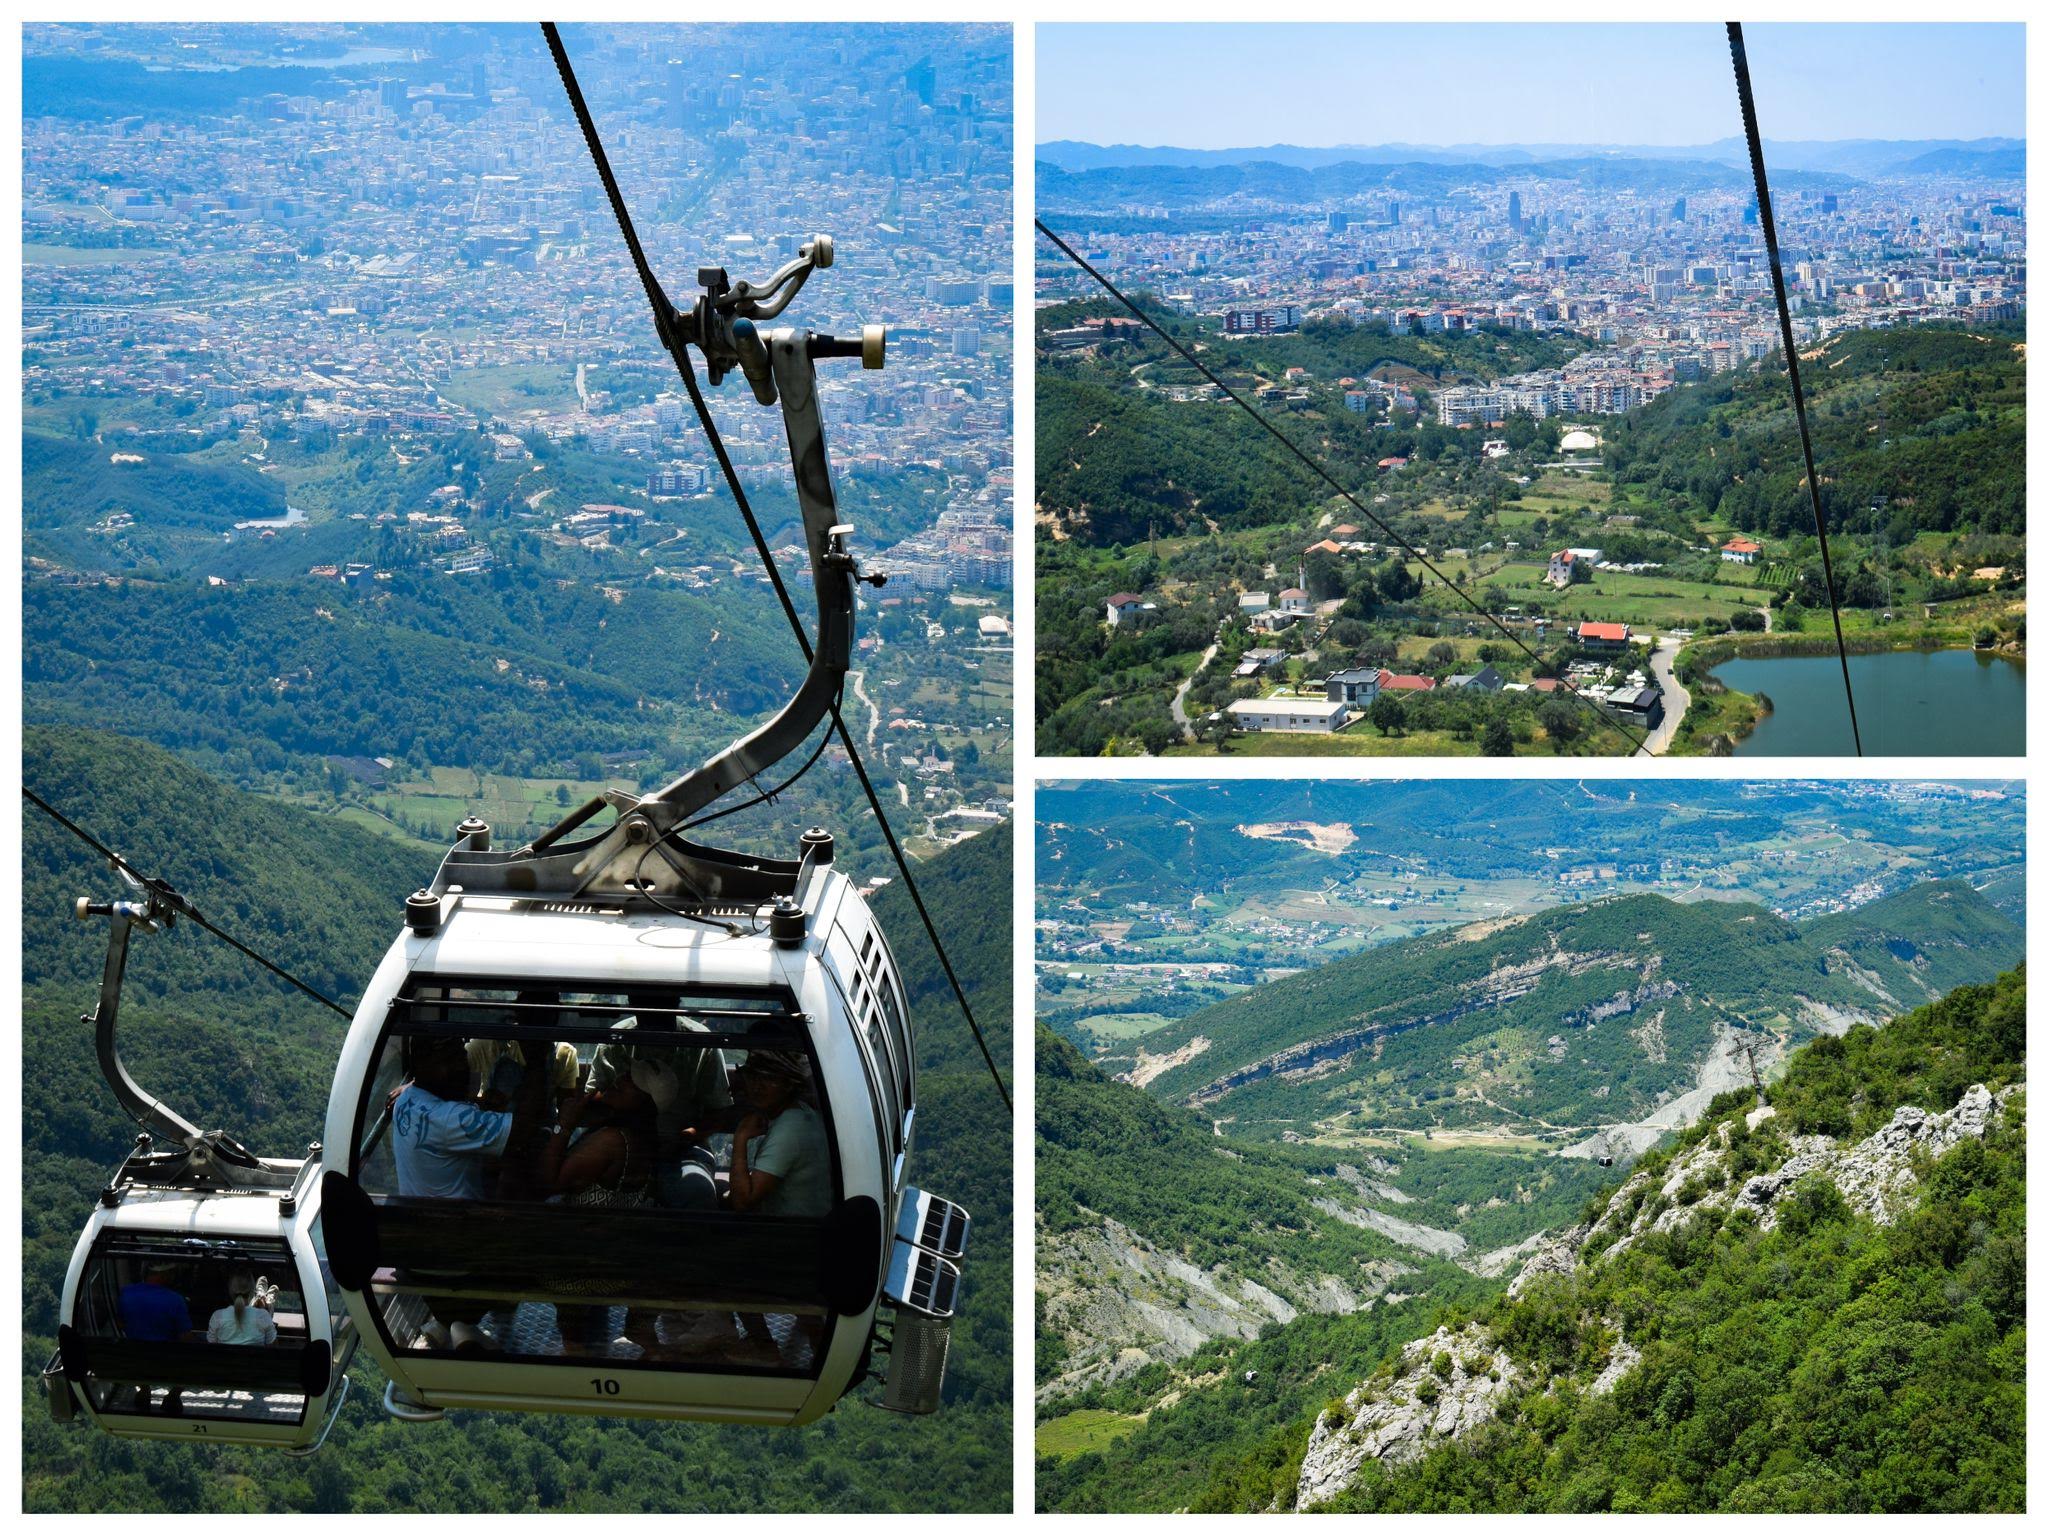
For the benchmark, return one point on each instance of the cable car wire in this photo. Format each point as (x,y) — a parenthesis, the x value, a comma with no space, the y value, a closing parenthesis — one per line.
(1740,56)
(178,903)
(1638,743)
(663,310)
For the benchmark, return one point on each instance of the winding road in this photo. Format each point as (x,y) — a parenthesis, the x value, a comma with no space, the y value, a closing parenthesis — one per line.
(1676,699)
(1180,714)
(860,691)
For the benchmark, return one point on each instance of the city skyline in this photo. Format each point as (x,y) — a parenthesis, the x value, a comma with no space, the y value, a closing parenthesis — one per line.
(1666,85)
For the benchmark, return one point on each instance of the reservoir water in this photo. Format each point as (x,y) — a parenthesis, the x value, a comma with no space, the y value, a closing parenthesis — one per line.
(1950,703)
(293,518)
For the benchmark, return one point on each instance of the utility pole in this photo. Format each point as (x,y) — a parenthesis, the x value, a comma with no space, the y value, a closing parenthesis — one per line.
(1755,1077)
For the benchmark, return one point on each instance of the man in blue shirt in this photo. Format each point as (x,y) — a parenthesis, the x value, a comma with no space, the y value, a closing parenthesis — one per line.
(153,1312)
(441,1142)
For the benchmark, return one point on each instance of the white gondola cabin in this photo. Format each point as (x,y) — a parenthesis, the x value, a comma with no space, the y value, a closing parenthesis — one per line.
(621,1122)
(204,1315)
(504,1030)
(198,1305)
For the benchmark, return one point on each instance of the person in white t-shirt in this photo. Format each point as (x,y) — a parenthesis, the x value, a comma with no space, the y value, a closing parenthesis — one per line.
(246,1319)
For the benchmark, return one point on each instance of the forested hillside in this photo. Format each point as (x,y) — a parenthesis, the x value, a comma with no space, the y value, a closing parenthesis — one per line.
(1816,1307)
(1922,429)
(221,1039)
(1119,459)
(1156,1234)
(1586,1015)
(519,675)
(1827,1315)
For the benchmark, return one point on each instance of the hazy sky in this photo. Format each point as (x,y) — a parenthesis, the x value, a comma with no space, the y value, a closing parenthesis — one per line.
(1232,86)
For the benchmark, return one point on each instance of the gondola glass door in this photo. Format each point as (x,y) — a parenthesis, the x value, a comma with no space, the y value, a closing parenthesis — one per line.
(586,1198)
(174,1337)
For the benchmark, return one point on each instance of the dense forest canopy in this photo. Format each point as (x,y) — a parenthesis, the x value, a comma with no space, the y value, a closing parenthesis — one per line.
(1917,429)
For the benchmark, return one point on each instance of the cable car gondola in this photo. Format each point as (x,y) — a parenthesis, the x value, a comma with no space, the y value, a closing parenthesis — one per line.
(198,1304)
(622,1119)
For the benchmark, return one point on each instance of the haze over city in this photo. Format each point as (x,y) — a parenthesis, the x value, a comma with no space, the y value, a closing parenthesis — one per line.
(1444,83)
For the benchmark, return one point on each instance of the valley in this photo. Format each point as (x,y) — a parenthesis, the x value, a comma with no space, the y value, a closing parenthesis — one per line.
(1360,1138)
(1472,547)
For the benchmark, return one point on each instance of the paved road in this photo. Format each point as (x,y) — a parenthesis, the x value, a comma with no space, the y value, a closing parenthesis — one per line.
(1676,699)
(1180,715)
(860,691)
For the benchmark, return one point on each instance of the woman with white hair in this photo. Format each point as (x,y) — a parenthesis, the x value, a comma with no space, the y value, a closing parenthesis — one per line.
(246,1319)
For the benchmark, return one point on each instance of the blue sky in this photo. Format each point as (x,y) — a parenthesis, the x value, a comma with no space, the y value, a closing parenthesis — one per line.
(1230,86)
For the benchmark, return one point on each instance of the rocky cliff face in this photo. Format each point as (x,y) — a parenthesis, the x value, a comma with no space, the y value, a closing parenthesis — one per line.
(1447,1385)
(1450,1383)
(1121,1303)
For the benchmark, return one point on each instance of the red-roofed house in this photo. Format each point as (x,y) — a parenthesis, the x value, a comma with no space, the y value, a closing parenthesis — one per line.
(1404,682)
(1129,608)
(1294,600)
(1741,551)
(1593,636)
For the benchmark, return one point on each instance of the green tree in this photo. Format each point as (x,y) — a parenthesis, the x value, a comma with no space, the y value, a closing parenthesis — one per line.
(1389,715)
(1562,721)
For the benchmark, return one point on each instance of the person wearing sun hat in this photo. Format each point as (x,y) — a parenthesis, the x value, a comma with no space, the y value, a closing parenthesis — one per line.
(781,1163)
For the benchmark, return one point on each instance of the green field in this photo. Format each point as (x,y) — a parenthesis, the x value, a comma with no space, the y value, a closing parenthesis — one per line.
(1085,1429)
(1126,1026)
(510,805)
(510,388)
(1648,598)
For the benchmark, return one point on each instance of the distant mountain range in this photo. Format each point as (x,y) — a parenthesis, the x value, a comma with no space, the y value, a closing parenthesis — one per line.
(1848,157)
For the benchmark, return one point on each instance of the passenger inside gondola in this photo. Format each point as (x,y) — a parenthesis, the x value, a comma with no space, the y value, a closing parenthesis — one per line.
(444,1147)
(136,1296)
(602,1154)
(781,1164)
(685,1164)
(639,1100)
(248,1317)
(153,1311)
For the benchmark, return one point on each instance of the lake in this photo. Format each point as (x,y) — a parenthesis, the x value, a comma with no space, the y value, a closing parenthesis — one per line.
(1950,703)
(293,518)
